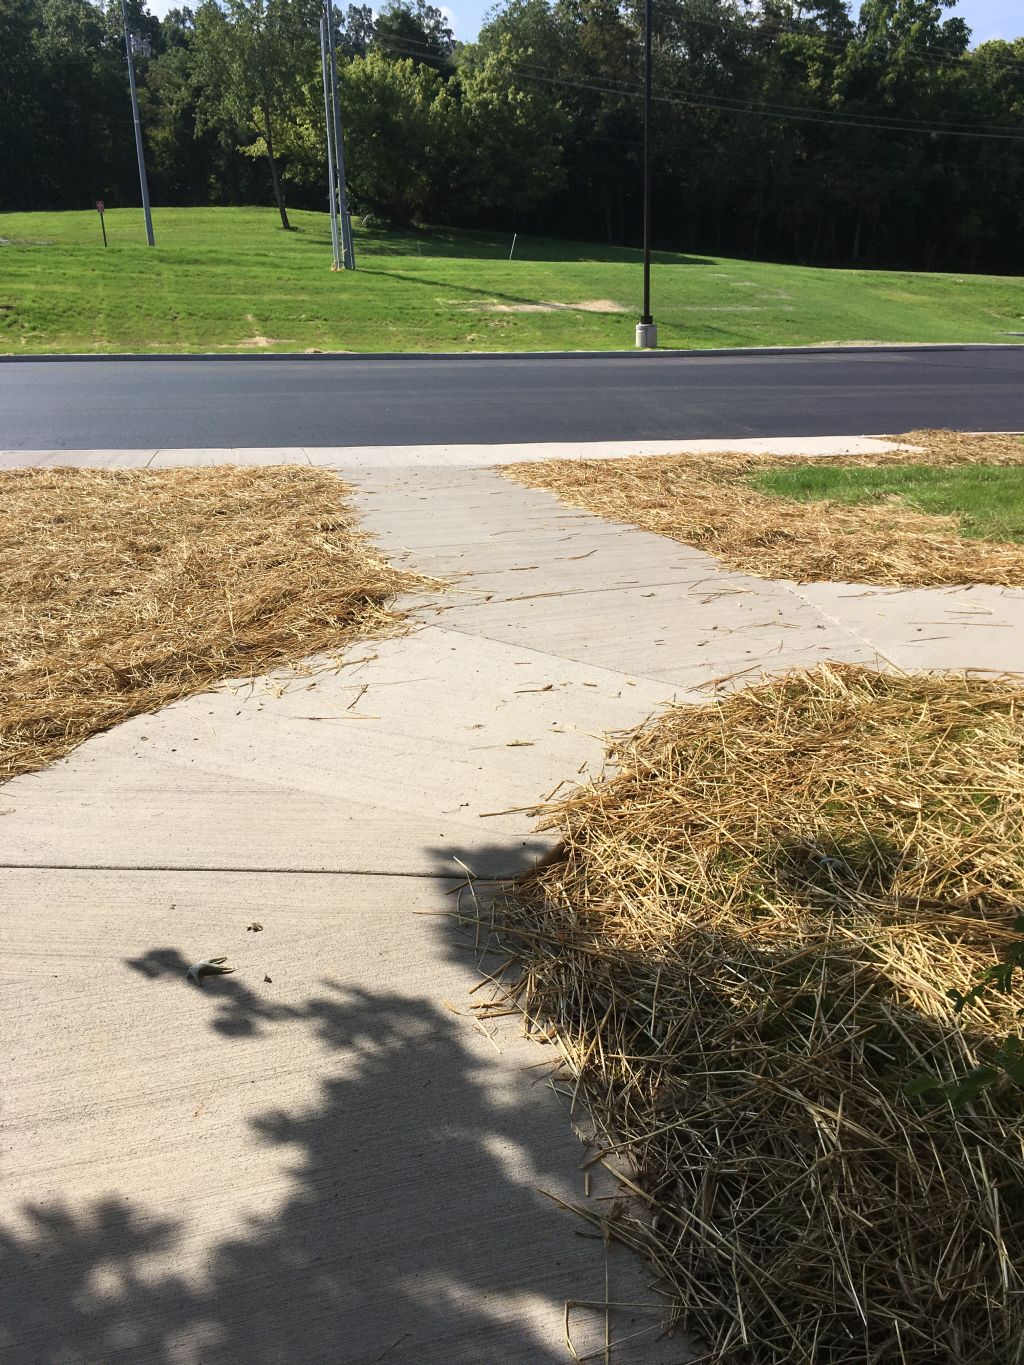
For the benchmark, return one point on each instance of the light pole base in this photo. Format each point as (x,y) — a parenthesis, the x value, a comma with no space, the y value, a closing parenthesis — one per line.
(647,336)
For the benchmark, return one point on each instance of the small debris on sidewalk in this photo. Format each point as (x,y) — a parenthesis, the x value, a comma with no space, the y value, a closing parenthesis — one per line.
(210,966)
(254,928)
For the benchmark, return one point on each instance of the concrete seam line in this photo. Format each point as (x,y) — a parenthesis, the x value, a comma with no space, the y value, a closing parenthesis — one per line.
(496,601)
(841,625)
(250,871)
(559,658)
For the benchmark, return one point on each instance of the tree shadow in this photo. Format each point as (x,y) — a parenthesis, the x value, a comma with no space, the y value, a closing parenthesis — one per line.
(835,871)
(494,246)
(409,1226)
(241,1011)
(491,296)
(767,1041)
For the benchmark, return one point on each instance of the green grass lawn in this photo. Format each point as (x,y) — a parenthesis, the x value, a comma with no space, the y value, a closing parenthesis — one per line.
(232,280)
(987,500)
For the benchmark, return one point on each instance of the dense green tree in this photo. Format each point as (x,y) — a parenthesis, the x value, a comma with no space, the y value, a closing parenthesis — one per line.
(414,29)
(504,144)
(22,115)
(87,149)
(356,31)
(796,129)
(248,62)
(391,134)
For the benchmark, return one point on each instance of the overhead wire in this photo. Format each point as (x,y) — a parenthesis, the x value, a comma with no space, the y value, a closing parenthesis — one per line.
(770,26)
(622,87)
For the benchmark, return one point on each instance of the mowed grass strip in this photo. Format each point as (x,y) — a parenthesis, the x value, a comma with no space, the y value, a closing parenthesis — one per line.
(122,591)
(950,511)
(743,950)
(228,280)
(987,502)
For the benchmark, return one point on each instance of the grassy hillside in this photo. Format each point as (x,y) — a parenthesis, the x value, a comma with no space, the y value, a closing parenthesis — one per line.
(232,280)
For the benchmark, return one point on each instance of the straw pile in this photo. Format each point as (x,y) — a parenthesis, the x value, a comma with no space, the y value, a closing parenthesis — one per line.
(122,591)
(707,501)
(743,952)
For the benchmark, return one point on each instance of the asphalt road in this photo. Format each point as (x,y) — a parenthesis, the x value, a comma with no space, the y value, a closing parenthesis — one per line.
(195,402)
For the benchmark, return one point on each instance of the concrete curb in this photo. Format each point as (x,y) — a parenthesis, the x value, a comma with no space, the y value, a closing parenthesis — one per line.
(759,352)
(480,455)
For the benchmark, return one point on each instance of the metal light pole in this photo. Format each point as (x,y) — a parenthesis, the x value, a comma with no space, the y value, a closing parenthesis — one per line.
(646,329)
(339,147)
(143,182)
(330,145)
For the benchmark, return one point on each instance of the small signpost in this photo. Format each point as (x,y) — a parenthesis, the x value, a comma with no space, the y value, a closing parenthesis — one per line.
(100,210)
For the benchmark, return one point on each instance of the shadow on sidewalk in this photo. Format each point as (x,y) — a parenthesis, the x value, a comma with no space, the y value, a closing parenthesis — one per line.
(401,1235)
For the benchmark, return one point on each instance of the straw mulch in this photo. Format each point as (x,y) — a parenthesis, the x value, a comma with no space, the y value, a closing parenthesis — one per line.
(707,501)
(122,591)
(743,951)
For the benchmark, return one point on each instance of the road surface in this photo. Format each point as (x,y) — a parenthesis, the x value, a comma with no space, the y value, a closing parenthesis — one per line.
(191,402)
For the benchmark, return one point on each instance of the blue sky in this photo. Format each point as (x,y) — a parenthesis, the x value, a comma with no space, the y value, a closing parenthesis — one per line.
(992,19)
(987,18)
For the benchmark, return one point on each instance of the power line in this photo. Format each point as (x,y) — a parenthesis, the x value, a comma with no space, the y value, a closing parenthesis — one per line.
(720,105)
(724,104)
(625,87)
(933,53)
(751,28)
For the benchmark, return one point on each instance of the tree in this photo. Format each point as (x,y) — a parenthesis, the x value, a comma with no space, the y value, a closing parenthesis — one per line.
(356,31)
(391,134)
(249,58)
(417,30)
(785,129)
(504,142)
(22,76)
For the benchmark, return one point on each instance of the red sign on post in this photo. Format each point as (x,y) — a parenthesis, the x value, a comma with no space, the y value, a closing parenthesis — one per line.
(99,205)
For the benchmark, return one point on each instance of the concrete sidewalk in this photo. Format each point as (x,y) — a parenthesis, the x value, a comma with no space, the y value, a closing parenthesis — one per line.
(428,457)
(327,1157)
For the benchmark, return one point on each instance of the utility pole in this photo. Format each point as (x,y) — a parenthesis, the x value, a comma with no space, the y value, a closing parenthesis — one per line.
(330,144)
(339,147)
(143,182)
(646,330)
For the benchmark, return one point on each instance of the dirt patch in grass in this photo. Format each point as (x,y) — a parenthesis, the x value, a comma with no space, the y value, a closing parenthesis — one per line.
(868,342)
(256,340)
(585,306)
(259,343)
(743,950)
(707,501)
(122,591)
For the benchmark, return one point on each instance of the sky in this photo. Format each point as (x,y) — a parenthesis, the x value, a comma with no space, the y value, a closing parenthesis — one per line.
(987,18)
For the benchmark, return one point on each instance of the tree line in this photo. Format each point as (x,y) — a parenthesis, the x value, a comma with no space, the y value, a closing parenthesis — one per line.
(793,129)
